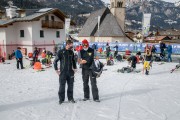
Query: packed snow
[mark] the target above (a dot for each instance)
(30, 95)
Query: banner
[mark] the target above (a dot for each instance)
(146, 24)
(67, 27)
(134, 47)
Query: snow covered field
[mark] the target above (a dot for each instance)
(29, 95)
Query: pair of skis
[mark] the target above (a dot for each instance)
(177, 67)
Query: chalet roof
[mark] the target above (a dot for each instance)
(170, 32)
(35, 16)
(159, 38)
(109, 26)
(163, 38)
(90, 27)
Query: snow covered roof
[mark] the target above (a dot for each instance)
(35, 16)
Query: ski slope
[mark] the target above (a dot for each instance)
(29, 95)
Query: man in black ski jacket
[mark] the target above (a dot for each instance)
(35, 55)
(86, 58)
(67, 70)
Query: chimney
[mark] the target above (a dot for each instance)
(11, 10)
(21, 13)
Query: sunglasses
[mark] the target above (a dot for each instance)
(85, 45)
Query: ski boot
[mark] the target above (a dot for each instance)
(147, 72)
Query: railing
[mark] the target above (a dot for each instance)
(52, 24)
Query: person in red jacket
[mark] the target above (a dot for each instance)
(80, 47)
(77, 48)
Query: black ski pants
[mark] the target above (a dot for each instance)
(86, 74)
(66, 76)
(20, 61)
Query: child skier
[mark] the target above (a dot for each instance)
(147, 62)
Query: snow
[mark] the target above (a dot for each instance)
(29, 95)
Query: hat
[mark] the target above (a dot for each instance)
(85, 43)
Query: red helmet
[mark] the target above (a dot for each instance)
(85, 43)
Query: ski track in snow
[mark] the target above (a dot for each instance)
(29, 95)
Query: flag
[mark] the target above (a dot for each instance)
(67, 27)
(146, 23)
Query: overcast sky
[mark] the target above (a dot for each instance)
(107, 1)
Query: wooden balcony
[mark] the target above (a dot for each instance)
(52, 24)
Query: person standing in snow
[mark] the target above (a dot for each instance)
(153, 49)
(67, 70)
(162, 47)
(147, 62)
(19, 57)
(86, 58)
(169, 50)
(108, 50)
(116, 49)
(35, 55)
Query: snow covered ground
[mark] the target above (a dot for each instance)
(29, 95)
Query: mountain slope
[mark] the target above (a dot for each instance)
(164, 15)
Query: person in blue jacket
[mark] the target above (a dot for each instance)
(169, 50)
(19, 58)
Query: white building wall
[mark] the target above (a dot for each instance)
(10, 39)
(2, 41)
(13, 39)
(26, 41)
(89, 39)
(49, 34)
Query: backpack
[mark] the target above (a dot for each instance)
(97, 69)
(119, 58)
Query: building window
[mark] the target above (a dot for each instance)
(120, 4)
(57, 34)
(47, 18)
(52, 18)
(41, 33)
(21, 33)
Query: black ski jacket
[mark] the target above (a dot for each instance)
(67, 60)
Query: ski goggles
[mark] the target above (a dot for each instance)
(85, 45)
